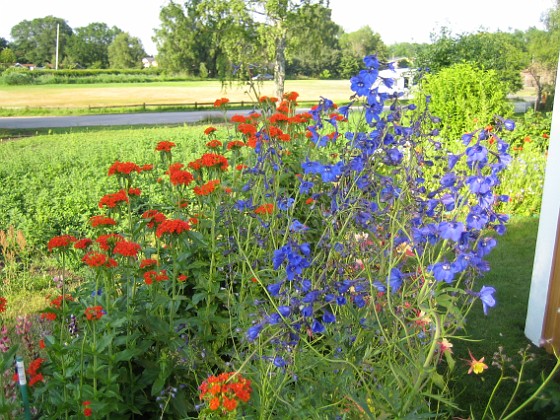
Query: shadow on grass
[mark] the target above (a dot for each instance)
(511, 264)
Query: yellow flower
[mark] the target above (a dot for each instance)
(476, 366)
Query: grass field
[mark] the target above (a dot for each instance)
(126, 94)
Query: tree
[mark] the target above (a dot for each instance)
(7, 58)
(205, 32)
(542, 52)
(35, 41)
(356, 45)
(499, 51)
(3, 43)
(126, 52)
(313, 41)
(90, 45)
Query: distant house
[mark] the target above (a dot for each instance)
(25, 66)
(148, 62)
(402, 81)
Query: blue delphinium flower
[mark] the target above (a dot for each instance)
(487, 298)
(451, 230)
(443, 271)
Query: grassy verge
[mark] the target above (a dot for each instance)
(511, 265)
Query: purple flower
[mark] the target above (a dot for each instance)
(487, 299)
(451, 230)
(443, 271)
(253, 332)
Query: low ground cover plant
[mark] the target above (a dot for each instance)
(301, 265)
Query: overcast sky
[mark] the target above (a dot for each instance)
(394, 20)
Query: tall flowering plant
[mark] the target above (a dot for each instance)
(329, 257)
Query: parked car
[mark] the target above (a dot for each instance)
(264, 76)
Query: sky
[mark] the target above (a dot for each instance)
(394, 20)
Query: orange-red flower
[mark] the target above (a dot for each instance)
(207, 188)
(111, 200)
(123, 168)
(87, 410)
(172, 226)
(165, 146)
(94, 312)
(210, 130)
(102, 221)
(62, 241)
(82, 243)
(226, 390)
(127, 249)
(265, 209)
(153, 217)
(3, 304)
(220, 102)
(152, 275)
(214, 144)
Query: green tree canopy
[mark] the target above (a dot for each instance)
(313, 41)
(90, 45)
(34, 41)
(126, 52)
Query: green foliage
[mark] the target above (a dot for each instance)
(125, 52)
(89, 46)
(7, 58)
(502, 52)
(364, 42)
(463, 96)
(35, 41)
(16, 76)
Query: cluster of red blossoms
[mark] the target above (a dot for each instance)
(210, 160)
(87, 410)
(33, 372)
(225, 391)
(126, 168)
(3, 303)
(122, 196)
(206, 189)
(94, 312)
(165, 146)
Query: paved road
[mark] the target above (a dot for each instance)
(148, 118)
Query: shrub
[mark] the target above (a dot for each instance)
(15, 76)
(464, 97)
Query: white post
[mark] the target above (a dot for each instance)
(57, 34)
(548, 227)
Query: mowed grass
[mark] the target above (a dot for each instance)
(127, 94)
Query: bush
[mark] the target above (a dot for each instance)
(15, 76)
(464, 97)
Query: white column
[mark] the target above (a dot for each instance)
(548, 226)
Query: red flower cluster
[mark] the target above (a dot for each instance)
(33, 372)
(111, 200)
(62, 241)
(102, 221)
(225, 390)
(247, 129)
(220, 102)
(57, 301)
(171, 226)
(177, 176)
(165, 146)
(148, 263)
(210, 160)
(153, 217)
(152, 275)
(235, 144)
(97, 259)
(87, 410)
(94, 312)
(124, 168)
(109, 241)
(3, 303)
(207, 188)
(127, 249)
(214, 144)
(210, 130)
(265, 209)
(82, 243)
